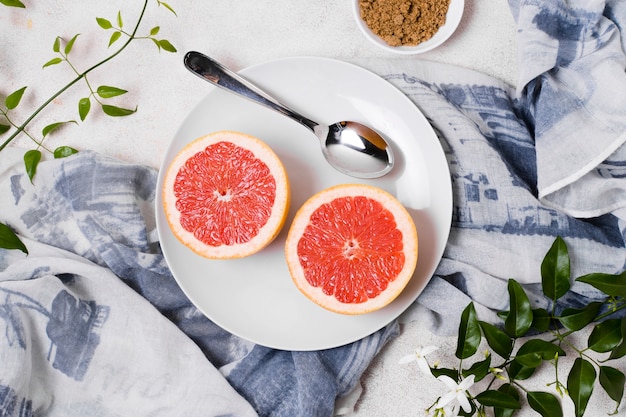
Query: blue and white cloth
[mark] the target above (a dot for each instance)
(92, 322)
(546, 159)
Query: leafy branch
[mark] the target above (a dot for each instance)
(505, 380)
(99, 94)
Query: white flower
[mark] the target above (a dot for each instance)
(457, 392)
(419, 356)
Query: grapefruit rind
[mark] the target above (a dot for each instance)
(279, 210)
(404, 223)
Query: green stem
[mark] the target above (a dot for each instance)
(6, 115)
(20, 128)
(604, 315)
(611, 312)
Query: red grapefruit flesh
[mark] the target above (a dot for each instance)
(352, 248)
(226, 195)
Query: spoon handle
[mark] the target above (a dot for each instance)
(217, 74)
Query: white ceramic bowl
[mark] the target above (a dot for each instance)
(453, 18)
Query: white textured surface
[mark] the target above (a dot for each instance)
(391, 389)
(238, 33)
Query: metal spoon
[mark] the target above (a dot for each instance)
(349, 147)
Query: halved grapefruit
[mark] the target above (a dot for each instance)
(352, 248)
(226, 195)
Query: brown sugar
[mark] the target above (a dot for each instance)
(404, 22)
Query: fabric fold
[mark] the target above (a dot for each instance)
(501, 229)
(96, 212)
(572, 85)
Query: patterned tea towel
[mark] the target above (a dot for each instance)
(548, 159)
(92, 322)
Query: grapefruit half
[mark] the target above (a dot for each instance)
(226, 195)
(352, 248)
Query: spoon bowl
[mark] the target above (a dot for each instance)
(350, 147)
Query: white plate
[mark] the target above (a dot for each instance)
(254, 297)
(453, 18)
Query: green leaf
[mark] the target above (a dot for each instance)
(156, 42)
(13, 3)
(168, 7)
(84, 105)
(104, 23)
(13, 99)
(53, 61)
(555, 270)
(106, 91)
(545, 404)
(541, 319)
(479, 369)
(114, 36)
(9, 240)
(576, 319)
(534, 351)
(503, 314)
(70, 44)
(4, 128)
(31, 161)
(120, 24)
(493, 398)
(56, 46)
(452, 373)
(620, 350)
(613, 382)
(54, 126)
(116, 111)
(64, 152)
(154, 31)
(546, 349)
(166, 45)
(498, 340)
(529, 360)
(520, 316)
(580, 382)
(614, 285)
(605, 336)
(519, 371)
(469, 333)
(511, 391)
